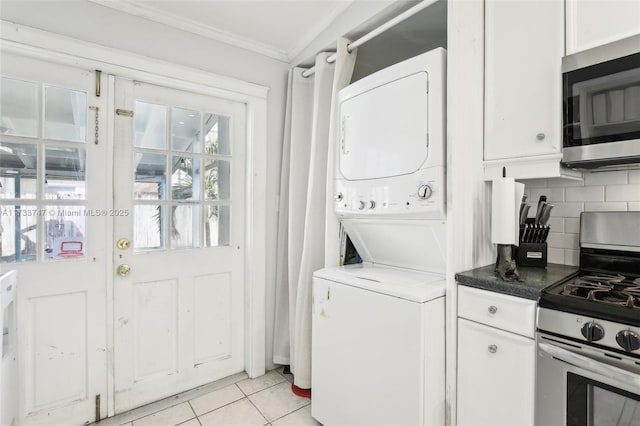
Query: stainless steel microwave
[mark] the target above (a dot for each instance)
(601, 106)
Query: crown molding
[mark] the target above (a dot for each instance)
(317, 29)
(189, 25)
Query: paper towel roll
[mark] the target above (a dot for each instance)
(505, 205)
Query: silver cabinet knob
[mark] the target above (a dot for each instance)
(540, 136)
(493, 309)
(338, 197)
(493, 349)
(372, 204)
(361, 206)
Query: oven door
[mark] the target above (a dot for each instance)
(576, 390)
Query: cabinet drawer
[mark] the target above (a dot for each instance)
(496, 377)
(498, 310)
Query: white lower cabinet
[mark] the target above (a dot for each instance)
(496, 375)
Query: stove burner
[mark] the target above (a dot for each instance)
(606, 288)
(603, 278)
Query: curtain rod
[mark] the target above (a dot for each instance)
(376, 32)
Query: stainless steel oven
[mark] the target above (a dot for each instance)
(588, 338)
(580, 385)
(601, 106)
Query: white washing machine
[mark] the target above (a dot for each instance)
(378, 329)
(378, 352)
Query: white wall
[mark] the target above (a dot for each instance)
(101, 25)
(599, 191)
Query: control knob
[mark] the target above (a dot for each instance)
(372, 204)
(361, 205)
(338, 197)
(424, 192)
(592, 332)
(628, 340)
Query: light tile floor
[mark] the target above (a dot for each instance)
(236, 401)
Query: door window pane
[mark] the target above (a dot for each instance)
(21, 245)
(185, 130)
(150, 176)
(65, 232)
(18, 108)
(217, 138)
(148, 226)
(65, 114)
(184, 228)
(150, 121)
(65, 170)
(18, 167)
(217, 225)
(217, 180)
(185, 178)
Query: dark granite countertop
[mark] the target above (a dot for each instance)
(533, 279)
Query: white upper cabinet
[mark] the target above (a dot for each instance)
(524, 45)
(591, 23)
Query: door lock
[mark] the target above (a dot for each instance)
(123, 244)
(123, 270)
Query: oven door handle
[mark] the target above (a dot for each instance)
(585, 363)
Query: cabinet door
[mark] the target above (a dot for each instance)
(524, 45)
(591, 23)
(496, 373)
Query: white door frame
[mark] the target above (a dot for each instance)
(39, 44)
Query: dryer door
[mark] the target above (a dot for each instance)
(384, 131)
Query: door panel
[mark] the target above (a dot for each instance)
(155, 318)
(53, 178)
(180, 173)
(212, 317)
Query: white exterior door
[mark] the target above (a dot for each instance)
(179, 198)
(53, 178)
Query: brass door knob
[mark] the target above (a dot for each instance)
(123, 270)
(123, 244)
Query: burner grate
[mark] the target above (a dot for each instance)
(612, 289)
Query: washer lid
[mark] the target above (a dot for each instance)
(409, 285)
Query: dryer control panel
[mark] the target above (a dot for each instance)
(420, 195)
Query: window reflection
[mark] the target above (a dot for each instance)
(65, 114)
(18, 108)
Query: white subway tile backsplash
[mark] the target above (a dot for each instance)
(564, 241)
(572, 225)
(564, 183)
(555, 255)
(585, 193)
(572, 257)
(599, 191)
(629, 192)
(567, 209)
(605, 207)
(557, 224)
(552, 194)
(605, 178)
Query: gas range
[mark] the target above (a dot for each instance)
(588, 339)
(600, 304)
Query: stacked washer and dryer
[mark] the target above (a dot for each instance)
(378, 328)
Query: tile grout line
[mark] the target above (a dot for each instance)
(258, 391)
(193, 411)
(294, 411)
(222, 406)
(257, 409)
